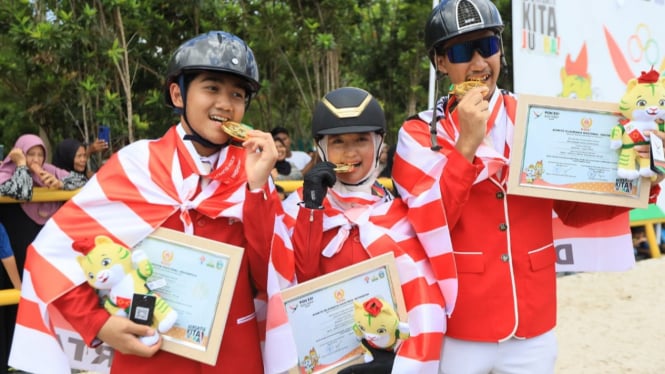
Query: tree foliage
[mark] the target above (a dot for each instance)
(68, 66)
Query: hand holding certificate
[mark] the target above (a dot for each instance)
(196, 276)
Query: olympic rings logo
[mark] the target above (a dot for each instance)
(638, 48)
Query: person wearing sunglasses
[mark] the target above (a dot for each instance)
(451, 168)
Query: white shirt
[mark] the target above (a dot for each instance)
(299, 158)
(204, 164)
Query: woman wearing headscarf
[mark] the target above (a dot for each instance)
(71, 155)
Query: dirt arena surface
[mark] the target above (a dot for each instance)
(613, 322)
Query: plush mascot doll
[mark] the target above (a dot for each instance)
(381, 332)
(643, 105)
(121, 274)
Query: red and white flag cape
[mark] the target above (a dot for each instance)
(125, 203)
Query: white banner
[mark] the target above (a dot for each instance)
(600, 246)
(585, 49)
(82, 357)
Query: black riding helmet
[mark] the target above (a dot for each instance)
(214, 51)
(347, 110)
(451, 18)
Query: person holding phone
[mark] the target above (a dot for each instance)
(95, 149)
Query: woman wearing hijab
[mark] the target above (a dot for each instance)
(71, 155)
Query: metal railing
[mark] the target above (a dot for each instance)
(43, 194)
(9, 296)
(290, 186)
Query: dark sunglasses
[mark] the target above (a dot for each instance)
(463, 52)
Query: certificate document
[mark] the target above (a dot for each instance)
(561, 150)
(320, 312)
(196, 277)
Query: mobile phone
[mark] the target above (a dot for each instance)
(104, 134)
(142, 309)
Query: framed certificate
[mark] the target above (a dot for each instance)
(196, 277)
(561, 150)
(320, 312)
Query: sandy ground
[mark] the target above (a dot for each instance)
(613, 322)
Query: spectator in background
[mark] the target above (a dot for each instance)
(386, 172)
(8, 259)
(23, 168)
(383, 158)
(72, 156)
(640, 243)
(302, 160)
(95, 149)
(284, 170)
(280, 192)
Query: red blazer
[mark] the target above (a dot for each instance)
(505, 262)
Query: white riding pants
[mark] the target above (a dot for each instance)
(535, 355)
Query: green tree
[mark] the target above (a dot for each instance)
(66, 67)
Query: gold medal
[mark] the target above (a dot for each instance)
(461, 89)
(236, 130)
(344, 168)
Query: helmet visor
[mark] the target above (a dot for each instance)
(463, 52)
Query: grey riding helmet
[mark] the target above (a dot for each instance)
(214, 51)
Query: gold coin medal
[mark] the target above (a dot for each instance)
(238, 131)
(461, 89)
(344, 168)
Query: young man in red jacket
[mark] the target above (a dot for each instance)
(451, 168)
